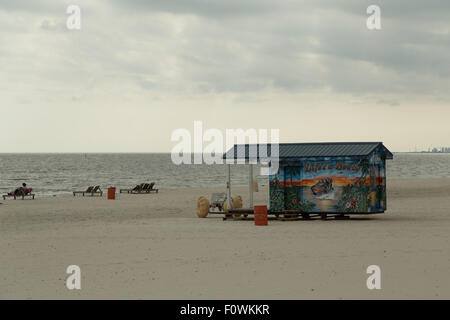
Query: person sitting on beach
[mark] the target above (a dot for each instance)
(23, 190)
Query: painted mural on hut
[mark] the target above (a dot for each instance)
(347, 184)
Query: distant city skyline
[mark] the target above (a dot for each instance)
(437, 150)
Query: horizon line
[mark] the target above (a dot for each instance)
(144, 152)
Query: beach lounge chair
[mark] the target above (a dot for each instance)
(144, 188)
(96, 191)
(22, 196)
(135, 189)
(148, 188)
(88, 190)
(151, 188)
(218, 200)
(141, 189)
(91, 191)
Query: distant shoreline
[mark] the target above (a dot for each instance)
(149, 153)
(422, 152)
(69, 194)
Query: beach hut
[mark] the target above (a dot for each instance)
(325, 178)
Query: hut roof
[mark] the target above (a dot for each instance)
(308, 150)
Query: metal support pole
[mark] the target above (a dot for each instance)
(229, 187)
(250, 185)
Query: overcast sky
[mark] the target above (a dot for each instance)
(137, 70)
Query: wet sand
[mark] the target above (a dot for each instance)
(154, 247)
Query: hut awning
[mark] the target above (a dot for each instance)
(305, 150)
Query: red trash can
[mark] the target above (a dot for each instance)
(260, 215)
(111, 193)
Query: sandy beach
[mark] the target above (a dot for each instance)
(155, 247)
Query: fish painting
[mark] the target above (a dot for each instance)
(323, 187)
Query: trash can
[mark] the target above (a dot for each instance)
(260, 215)
(111, 193)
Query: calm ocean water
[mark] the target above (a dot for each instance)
(52, 174)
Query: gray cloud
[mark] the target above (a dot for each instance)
(35, 6)
(235, 46)
(281, 39)
(206, 8)
(142, 55)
